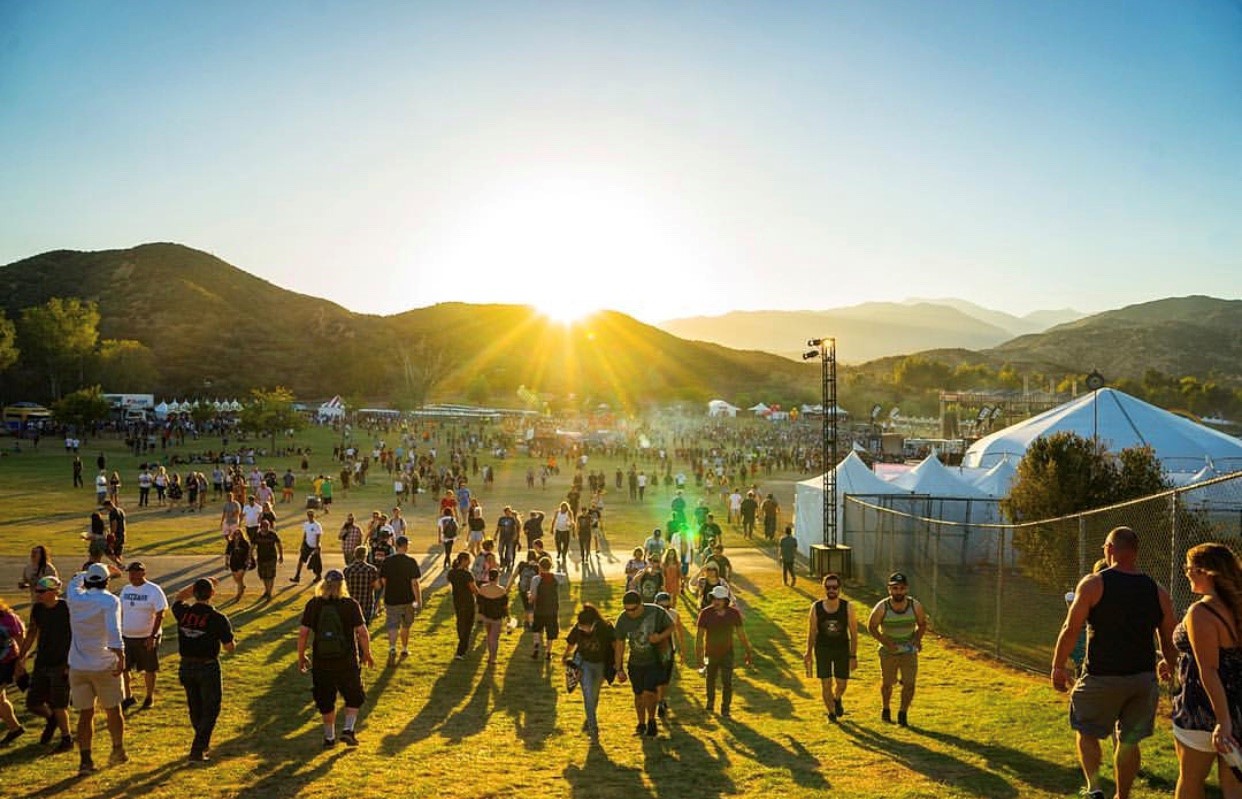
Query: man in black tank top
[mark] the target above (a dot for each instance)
(1123, 610)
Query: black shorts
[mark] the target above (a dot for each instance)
(832, 661)
(49, 685)
(648, 678)
(6, 673)
(327, 682)
(267, 569)
(548, 624)
(138, 657)
(326, 500)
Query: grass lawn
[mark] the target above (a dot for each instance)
(433, 726)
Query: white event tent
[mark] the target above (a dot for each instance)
(853, 478)
(332, 409)
(719, 407)
(1121, 422)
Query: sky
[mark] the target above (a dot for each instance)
(662, 159)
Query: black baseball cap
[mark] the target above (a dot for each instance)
(632, 598)
(897, 578)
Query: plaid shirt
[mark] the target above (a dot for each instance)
(360, 577)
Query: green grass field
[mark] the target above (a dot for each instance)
(437, 727)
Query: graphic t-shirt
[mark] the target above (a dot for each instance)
(595, 646)
(648, 584)
(139, 604)
(635, 631)
(719, 627)
(201, 629)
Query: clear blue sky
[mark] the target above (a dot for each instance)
(660, 158)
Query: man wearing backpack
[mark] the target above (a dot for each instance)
(340, 645)
(448, 534)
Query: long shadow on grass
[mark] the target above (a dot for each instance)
(795, 758)
(445, 694)
(682, 765)
(600, 777)
(937, 766)
(1042, 774)
(530, 697)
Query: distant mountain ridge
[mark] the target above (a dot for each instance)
(870, 330)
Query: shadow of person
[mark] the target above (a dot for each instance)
(530, 697)
(472, 718)
(598, 776)
(803, 767)
(1040, 774)
(448, 690)
(682, 764)
(937, 766)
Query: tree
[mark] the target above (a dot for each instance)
(478, 391)
(57, 338)
(8, 342)
(423, 367)
(1065, 474)
(918, 372)
(83, 407)
(126, 365)
(271, 413)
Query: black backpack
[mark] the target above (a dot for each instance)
(330, 638)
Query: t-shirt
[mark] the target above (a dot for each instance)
(789, 548)
(748, 507)
(201, 629)
(252, 513)
(265, 545)
(770, 507)
(139, 604)
(351, 619)
(463, 597)
(506, 528)
(547, 594)
(398, 570)
(648, 584)
(116, 521)
(635, 631)
(54, 633)
(595, 646)
(10, 628)
(312, 532)
(719, 627)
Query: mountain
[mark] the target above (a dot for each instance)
(1195, 335)
(863, 332)
(1034, 322)
(217, 330)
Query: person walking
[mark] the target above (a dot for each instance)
(312, 537)
(644, 630)
(96, 661)
(1207, 709)
(12, 638)
(832, 638)
(1123, 609)
(447, 530)
(361, 580)
(716, 625)
(546, 600)
(403, 596)
(341, 646)
(268, 552)
(590, 648)
(464, 590)
(898, 624)
(48, 694)
(237, 559)
(493, 601)
(562, 527)
(789, 554)
(143, 605)
(202, 631)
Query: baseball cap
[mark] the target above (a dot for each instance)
(334, 576)
(897, 578)
(720, 592)
(663, 596)
(136, 566)
(632, 598)
(49, 583)
(97, 573)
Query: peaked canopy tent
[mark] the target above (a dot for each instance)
(332, 409)
(1121, 422)
(719, 407)
(995, 482)
(853, 478)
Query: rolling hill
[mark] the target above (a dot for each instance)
(216, 329)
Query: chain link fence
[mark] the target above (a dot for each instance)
(1001, 587)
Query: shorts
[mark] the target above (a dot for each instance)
(904, 663)
(548, 624)
(526, 606)
(6, 672)
(228, 528)
(138, 657)
(327, 682)
(49, 685)
(668, 671)
(267, 569)
(832, 661)
(398, 615)
(1198, 740)
(1100, 704)
(647, 678)
(475, 537)
(326, 500)
(87, 686)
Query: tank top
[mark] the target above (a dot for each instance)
(1192, 710)
(562, 522)
(1121, 625)
(832, 629)
(899, 625)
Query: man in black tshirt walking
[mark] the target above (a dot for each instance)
(201, 632)
(48, 695)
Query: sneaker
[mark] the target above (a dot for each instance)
(317, 579)
(128, 702)
(837, 708)
(328, 743)
(652, 730)
(11, 736)
(662, 710)
(295, 579)
(832, 716)
(148, 703)
(86, 767)
(198, 757)
(886, 715)
(117, 757)
(711, 710)
(405, 653)
(49, 729)
(641, 729)
(459, 657)
(724, 713)
(65, 745)
(901, 718)
(1092, 794)
(348, 737)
